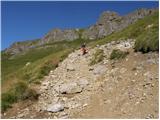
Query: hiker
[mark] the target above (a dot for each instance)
(83, 48)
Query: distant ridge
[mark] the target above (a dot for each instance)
(107, 23)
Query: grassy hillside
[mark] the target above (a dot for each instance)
(42, 60)
(37, 58)
(16, 74)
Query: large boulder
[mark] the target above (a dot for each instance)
(70, 88)
(55, 107)
(83, 82)
(73, 86)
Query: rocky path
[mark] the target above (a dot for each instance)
(70, 86)
(125, 88)
(129, 90)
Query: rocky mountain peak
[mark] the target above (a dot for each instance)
(107, 23)
(107, 16)
(60, 35)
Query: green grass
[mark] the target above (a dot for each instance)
(21, 91)
(118, 54)
(97, 57)
(42, 60)
(9, 66)
(148, 40)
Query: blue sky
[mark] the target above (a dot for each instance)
(31, 20)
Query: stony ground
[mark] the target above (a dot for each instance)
(125, 88)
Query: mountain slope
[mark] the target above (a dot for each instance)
(33, 65)
(120, 88)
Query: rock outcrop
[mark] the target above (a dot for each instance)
(110, 21)
(107, 23)
(19, 47)
(60, 35)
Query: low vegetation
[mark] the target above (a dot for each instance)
(146, 37)
(118, 54)
(97, 57)
(21, 91)
(148, 40)
(42, 60)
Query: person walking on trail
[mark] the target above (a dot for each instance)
(83, 48)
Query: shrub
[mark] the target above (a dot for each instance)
(62, 57)
(118, 54)
(148, 41)
(98, 57)
(5, 105)
(45, 69)
(30, 94)
(7, 99)
(20, 91)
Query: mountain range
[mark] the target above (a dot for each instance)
(108, 23)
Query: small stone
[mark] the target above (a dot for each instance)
(137, 103)
(152, 85)
(149, 116)
(85, 105)
(156, 77)
(70, 88)
(45, 83)
(51, 72)
(64, 99)
(144, 94)
(133, 81)
(148, 83)
(131, 95)
(63, 115)
(141, 100)
(70, 68)
(83, 83)
(20, 115)
(124, 112)
(123, 70)
(107, 101)
(53, 76)
(55, 108)
(135, 74)
(91, 68)
(72, 104)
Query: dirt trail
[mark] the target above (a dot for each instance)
(134, 95)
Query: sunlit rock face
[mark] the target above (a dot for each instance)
(107, 23)
(110, 21)
(60, 35)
